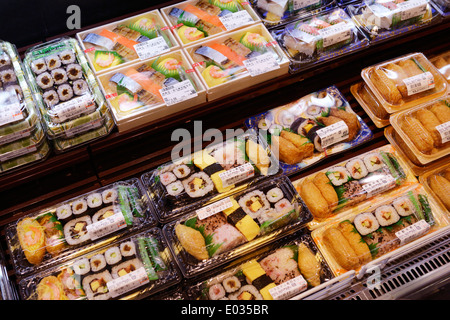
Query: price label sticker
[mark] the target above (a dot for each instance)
(336, 33)
(214, 208)
(17, 153)
(128, 282)
(15, 136)
(178, 92)
(261, 64)
(151, 48)
(289, 288)
(236, 20)
(419, 83)
(332, 134)
(300, 4)
(236, 175)
(413, 231)
(444, 131)
(107, 226)
(84, 127)
(412, 8)
(378, 184)
(74, 107)
(10, 113)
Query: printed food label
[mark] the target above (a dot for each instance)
(84, 127)
(289, 288)
(413, 231)
(336, 33)
(412, 8)
(332, 134)
(128, 282)
(235, 20)
(17, 153)
(261, 64)
(214, 208)
(378, 185)
(178, 92)
(10, 113)
(299, 4)
(73, 107)
(151, 48)
(419, 83)
(236, 175)
(106, 226)
(444, 131)
(15, 136)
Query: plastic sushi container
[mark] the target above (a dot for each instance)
(383, 20)
(333, 192)
(85, 222)
(310, 129)
(279, 12)
(283, 270)
(7, 287)
(237, 60)
(146, 91)
(126, 41)
(222, 231)
(130, 269)
(194, 20)
(372, 236)
(41, 153)
(437, 182)
(65, 88)
(442, 63)
(208, 175)
(443, 7)
(370, 104)
(318, 38)
(404, 82)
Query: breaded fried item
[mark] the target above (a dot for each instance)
(429, 122)
(441, 111)
(420, 137)
(308, 265)
(410, 67)
(340, 249)
(385, 86)
(313, 199)
(301, 143)
(354, 239)
(397, 74)
(322, 182)
(441, 188)
(286, 150)
(440, 62)
(350, 119)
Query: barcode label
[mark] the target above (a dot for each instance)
(17, 153)
(444, 131)
(84, 127)
(178, 92)
(10, 113)
(300, 4)
(214, 208)
(236, 20)
(419, 83)
(378, 185)
(128, 282)
(336, 33)
(106, 226)
(289, 288)
(332, 134)
(261, 64)
(412, 8)
(72, 108)
(236, 175)
(151, 48)
(413, 231)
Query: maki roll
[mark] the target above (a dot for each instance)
(231, 284)
(182, 171)
(175, 188)
(315, 138)
(274, 195)
(97, 262)
(8, 76)
(67, 57)
(338, 176)
(366, 223)
(264, 124)
(283, 206)
(386, 215)
(50, 98)
(82, 266)
(216, 292)
(404, 206)
(128, 249)
(79, 206)
(80, 87)
(113, 255)
(44, 80)
(52, 62)
(167, 177)
(75, 231)
(63, 212)
(65, 92)
(314, 111)
(356, 168)
(38, 66)
(59, 76)
(125, 268)
(109, 195)
(286, 119)
(74, 71)
(247, 292)
(94, 200)
(198, 185)
(103, 214)
(95, 285)
(5, 60)
(373, 162)
(253, 203)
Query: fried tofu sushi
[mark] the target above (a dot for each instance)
(410, 67)
(430, 122)
(441, 111)
(419, 136)
(301, 143)
(397, 74)
(314, 199)
(286, 150)
(350, 119)
(308, 265)
(385, 86)
(192, 241)
(441, 188)
(356, 242)
(340, 249)
(322, 182)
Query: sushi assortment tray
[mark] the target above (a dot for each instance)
(404, 82)
(208, 175)
(123, 42)
(146, 91)
(318, 38)
(376, 233)
(43, 239)
(382, 20)
(132, 268)
(279, 271)
(335, 191)
(437, 182)
(311, 128)
(442, 63)
(237, 60)
(227, 229)
(194, 20)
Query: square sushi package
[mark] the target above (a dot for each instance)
(335, 191)
(208, 175)
(317, 38)
(387, 229)
(123, 42)
(442, 63)
(310, 129)
(279, 271)
(237, 60)
(146, 91)
(224, 230)
(404, 82)
(44, 238)
(382, 20)
(22, 138)
(437, 182)
(131, 268)
(67, 93)
(367, 100)
(194, 20)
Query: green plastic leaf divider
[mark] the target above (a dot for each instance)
(146, 260)
(124, 205)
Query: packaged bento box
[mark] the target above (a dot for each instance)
(437, 182)
(126, 41)
(237, 60)
(388, 226)
(278, 271)
(42, 239)
(443, 6)
(146, 91)
(370, 104)
(382, 20)
(318, 38)
(236, 225)
(426, 129)
(194, 20)
(311, 128)
(332, 192)
(404, 82)
(129, 269)
(442, 63)
(63, 86)
(37, 153)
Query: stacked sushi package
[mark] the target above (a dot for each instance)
(437, 182)
(73, 108)
(22, 137)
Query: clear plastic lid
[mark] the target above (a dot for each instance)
(132, 268)
(214, 234)
(443, 6)
(442, 63)
(279, 271)
(370, 233)
(7, 287)
(370, 104)
(332, 192)
(404, 82)
(42, 239)
(42, 152)
(318, 38)
(209, 175)
(426, 129)
(437, 182)
(311, 128)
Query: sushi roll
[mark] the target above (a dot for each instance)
(52, 62)
(373, 162)
(74, 71)
(404, 206)
(79, 206)
(95, 285)
(113, 256)
(82, 266)
(386, 215)
(356, 168)
(253, 203)
(338, 176)
(125, 268)
(127, 249)
(94, 200)
(63, 212)
(315, 138)
(97, 262)
(67, 57)
(80, 87)
(103, 214)
(216, 292)
(275, 129)
(59, 76)
(284, 206)
(75, 231)
(65, 92)
(198, 185)
(274, 195)
(167, 177)
(285, 118)
(366, 223)
(231, 284)
(109, 195)
(5, 60)
(264, 124)
(7, 76)
(15, 89)
(314, 111)
(44, 80)
(175, 188)
(247, 292)
(182, 171)
(38, 66)
(50, 98)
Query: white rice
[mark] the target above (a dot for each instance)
(175, 188)
(404, 206)
(63, 212)
(247, 198)
(274, 195)
(366, 223)
(113, 255)
(356, 168)
(373, 162)
(109, 195)
(386, 215)
(338, 175)
(97, 262)
(82, 266)
(131, 265)
(94, 200)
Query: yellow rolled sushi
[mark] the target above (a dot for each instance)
(50, 288)
(258, 277)
(214, 76)
(32, 240)
(242, 221)
(189, 34)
